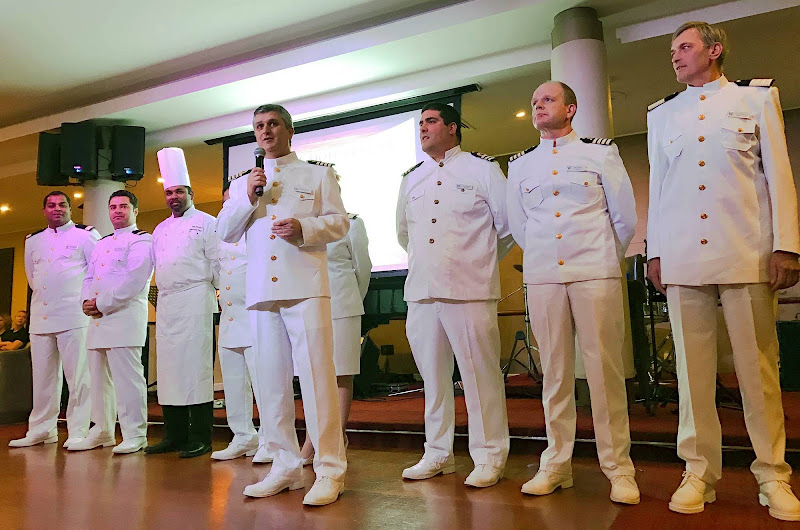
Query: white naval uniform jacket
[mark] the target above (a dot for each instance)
(119, 278)
(450, 215)
(349, 269)
(55, 264)
(571, 209)
(279, 269)
(234, 323)
(186, 268)
(722, 195)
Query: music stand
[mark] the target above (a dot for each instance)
(524, 337)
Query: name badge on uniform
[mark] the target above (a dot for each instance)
(304, 191)
(71, 247)
(740, 115)
(119, 249)
(465, 187)
(195, 229)
(576, 168)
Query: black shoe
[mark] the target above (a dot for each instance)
(193, 449)
(166, 446)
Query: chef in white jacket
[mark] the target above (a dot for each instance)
(571, 209)
(451, 218)
(722, 228)
(287, 229)
(235, 346)
(114, 294)
(349, 269)
(186, 267)
(56, 259)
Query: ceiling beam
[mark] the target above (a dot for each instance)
(713, 15)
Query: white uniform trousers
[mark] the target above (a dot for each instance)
(436, 331)
(299, 332)
(749, 311)
(591, 309)
(48, 352)
(119, 386)
(347, 345)
(237, 364)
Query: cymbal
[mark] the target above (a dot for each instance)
(518, 266)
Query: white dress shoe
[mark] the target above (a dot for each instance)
(428, 468)
(235, 450)
(692, 495)
(545, 482)
(92, 441)
(624, 490)
(262, 456)
(130, 446)
(273, 484)
(324, 491)
(72, 440)
(30, 440)
(782, 503)
(484, 475)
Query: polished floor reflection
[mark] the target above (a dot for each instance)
(47, 487)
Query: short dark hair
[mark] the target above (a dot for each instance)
(125, 193)
(448, 114)
(278, 109)
(53, 193)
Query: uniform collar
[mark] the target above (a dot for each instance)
(448, 155)
(713, 86)
(66, 226)
(560, 141)
(281, 161)
(127, 229)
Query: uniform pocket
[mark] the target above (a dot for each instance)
(673, 145)
(738, 132)
(463, 197)
(416, 201)
(532, 195)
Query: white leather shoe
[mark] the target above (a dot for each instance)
(29, 440)
(545, 482)
(92, 441)
(484, 475)
(427, 468)
(625, 490)
(72, 440)
(262, 456)
(324, 491)
(782, 503)
(273, 484)
(235, 450)
(130, 446)
(692, 495)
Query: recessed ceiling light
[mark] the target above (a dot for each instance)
(520, 114)
(4, 208)
(159, 179)
(77, 195)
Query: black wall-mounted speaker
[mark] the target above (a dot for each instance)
(79, 150)
(48, 161)
(127, 152)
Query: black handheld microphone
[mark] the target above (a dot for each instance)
(259, 153)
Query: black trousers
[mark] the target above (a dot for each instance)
(189, 423)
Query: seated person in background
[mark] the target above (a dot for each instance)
(16, 337)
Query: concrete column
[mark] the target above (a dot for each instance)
(95, 203)
(579, 60)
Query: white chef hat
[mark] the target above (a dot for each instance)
(172, 164)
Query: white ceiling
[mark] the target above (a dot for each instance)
(193, 70)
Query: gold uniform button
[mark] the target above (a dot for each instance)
(703, 216)
(51, 248)
(436, 201)
(230, 304)
(107, 251)
(233, 258)
(701, 187)
(561, 262)
(49, 261)
(702, 97)
(272, 236)
(44, 287)
(527, 189)
(230, 319)
(558, 214)
(302, 196)
(277, 170)
(586, 183)
(441, 164)
(96, 293)
(45, 317)
(555, 172)
(701, 163)
(558, 236)
(702, 117)
(701, 138)
(97, 323)
(274, 279)
(433, 220)
(236, 244)
(430, 241)
(44, 303)
(555, 151)
(273, 217)
(438, 182)
(227, 287)
(703, 241)
(45, 273)
(275, 184)
(555, 192)
(274, 201)
(102, 264)
(98, 277)
(115, 237)
(273, 258)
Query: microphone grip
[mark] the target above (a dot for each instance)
(259, 163)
